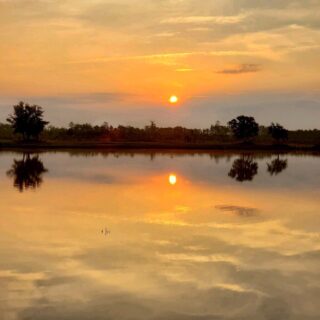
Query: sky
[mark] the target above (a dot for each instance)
(119, 61)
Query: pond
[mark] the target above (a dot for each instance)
(164, 236)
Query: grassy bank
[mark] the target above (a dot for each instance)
(157, 146)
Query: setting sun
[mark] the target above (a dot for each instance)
(173, 99)
(172, 179)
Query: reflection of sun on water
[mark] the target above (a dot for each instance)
(172, 179)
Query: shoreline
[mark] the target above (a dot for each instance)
(157, 146)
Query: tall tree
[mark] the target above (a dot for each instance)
(244, 128)
(27, 120)
(278, 132)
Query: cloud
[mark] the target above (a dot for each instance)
(240, 211)
(108, 43)
(243, 68)
(204, 19)
(163, 57)
(165, 34)
(184, 70)
(72, 99)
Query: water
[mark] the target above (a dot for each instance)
(159, 236)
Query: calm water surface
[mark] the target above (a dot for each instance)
(159, 236)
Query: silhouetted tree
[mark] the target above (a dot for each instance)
(151, 131)
(277, 166)
(27, 173)
(244, 128)
(27, 120)
(278, 132)
(244, 168)
(85, 131)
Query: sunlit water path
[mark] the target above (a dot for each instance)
(159, 236)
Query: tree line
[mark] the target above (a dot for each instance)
(26, 123)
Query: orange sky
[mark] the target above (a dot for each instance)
(136, 53)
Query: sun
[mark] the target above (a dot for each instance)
(173, 99)
(173, 179)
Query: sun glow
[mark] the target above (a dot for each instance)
(173, 179)
(173, 99)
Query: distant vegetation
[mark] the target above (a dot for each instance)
(27, 123)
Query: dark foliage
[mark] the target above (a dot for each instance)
(27, 173)
(244, 128)
(27, 120)
(278, 132)
(244, 168)
(6, 132)
(151, 133)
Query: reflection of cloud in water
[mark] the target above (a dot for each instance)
(201, 264)
(148, 280)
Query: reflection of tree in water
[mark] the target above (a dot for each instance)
(27, 173)
(244, 168)
(277, 165)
